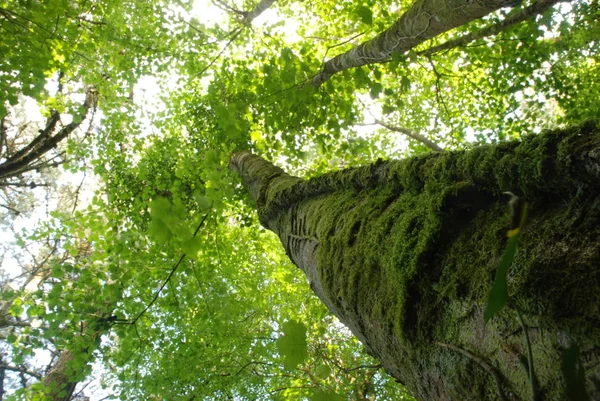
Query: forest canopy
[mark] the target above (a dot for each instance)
(134, 266)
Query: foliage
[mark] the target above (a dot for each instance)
(222, 326)
(498, 296)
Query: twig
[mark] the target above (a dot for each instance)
(236, 32)
(486, 366)
(408, 132)
(168, 278)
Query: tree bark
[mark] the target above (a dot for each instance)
(59, 379)
(17, 164)
(537, 8)
(404, 253)
(424, 20)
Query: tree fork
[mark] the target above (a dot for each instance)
(404, 253)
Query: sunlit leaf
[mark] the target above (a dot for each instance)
(292, 345)
(365, 14)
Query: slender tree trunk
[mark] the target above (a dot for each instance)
(404, 253)
(59, 379)
(424, 20)
(71, 367)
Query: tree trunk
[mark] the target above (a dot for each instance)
(404, 253)
(59, 379)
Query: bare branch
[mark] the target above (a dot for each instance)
(22, 184)
(44, 142)
(411, 134)
(22, 370)
(405, 131)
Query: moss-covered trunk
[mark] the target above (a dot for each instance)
(404, 253)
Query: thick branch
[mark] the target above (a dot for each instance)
(526, 13)
(258, 10)
(411, 134)
(424, 20)
(43, 134)
(44, 142)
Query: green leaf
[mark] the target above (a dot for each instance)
(292, 345)
(574, 374)
(376, 89)
(365, 14)
(323, 371)
(159, 231)
(498, 296)
(203, 202)
(192, 246)
(320, 395)
(405, 83)
(160, 207)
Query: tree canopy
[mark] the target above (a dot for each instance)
(134, 266)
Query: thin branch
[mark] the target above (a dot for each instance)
(78, 191)
(377, 366)
(486, 366)
(21, 370)
(236, 32)
(3, 130)
(411, 134)
(226, 7)
(22, 184)
(13, 210)
(340, 44)
(2, 373)
(168, 278)
(405, 131)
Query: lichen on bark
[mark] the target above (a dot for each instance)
(404, 253)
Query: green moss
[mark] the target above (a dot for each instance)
(408, 250)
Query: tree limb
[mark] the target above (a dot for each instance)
(411, 134)
(526, 13)
(424, 20)
(44, 142)
(21, 370)
(262, 5)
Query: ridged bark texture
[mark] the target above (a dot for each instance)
(404, 253)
